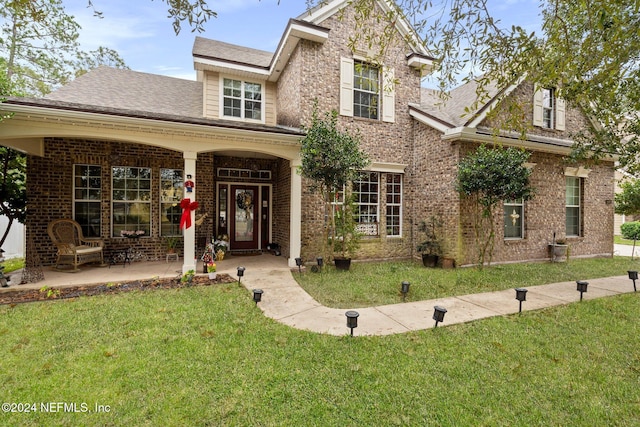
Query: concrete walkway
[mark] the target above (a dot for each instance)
(286, 302)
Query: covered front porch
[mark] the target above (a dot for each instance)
(59, 139)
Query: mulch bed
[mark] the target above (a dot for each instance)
(51, 294)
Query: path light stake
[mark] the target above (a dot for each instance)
(582, 287)
(438, 314)
(240, 273)
(320, 262)
(521, 295)
(633, 275)
(352, 320)
(405, 290)
(257, 295)
(299, 264)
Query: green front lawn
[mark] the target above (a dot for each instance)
(208, 356)
(371, 284)
(13, 264)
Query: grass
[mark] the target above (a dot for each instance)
(369, 284)
(619, 240)
(13, 264)
(208, 356)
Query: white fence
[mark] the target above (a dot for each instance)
(14, 245)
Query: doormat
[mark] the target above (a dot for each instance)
(246, 252)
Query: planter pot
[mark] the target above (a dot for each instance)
(213, 276)
(430, 261)
(448, 263)
(342, 263)
(558, 251)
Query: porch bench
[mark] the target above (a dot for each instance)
(73, 248)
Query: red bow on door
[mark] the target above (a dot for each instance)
(187, 206)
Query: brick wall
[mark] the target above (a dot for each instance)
(314, 73)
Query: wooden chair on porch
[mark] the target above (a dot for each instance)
(73, 248)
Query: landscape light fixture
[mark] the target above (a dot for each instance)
(633, 275)
(521, 295)
(352, 320)
(257, 295)
(405, 290)
(582, 287)
(299, 264)
(320, 262)
(240, 273)
(438, 314)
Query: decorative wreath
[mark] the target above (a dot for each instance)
(244, 200)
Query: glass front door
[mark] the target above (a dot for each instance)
(243, 220)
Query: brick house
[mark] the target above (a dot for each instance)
(114, 148)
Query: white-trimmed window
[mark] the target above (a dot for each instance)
(548, 109)
(87, 198)
(394, 204)
(573, 205)
(366, 196)
(514, 219)
(171, 190)
(361, 91)
(366, 89)
(130, 199)
(241, 99)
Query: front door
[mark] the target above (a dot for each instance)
(244, 212)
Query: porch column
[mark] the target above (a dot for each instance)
(189, 234)
(295, 217)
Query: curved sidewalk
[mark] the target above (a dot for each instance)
(285, 301)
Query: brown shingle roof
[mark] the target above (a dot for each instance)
(452, 109)
(131, 90)
(215, 49)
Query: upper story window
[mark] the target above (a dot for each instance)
(242, 99)
(548, 109)
(367, 90)
(366, 83)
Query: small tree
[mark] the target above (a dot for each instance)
(628, 201)
(331, 158)
(487, 177)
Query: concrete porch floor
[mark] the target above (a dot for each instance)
(141, 270)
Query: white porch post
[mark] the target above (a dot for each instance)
(190, 233)
(295, 217)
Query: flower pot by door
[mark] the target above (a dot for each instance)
(342, 263)
(213, 276)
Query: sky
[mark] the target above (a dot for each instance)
(141, 32)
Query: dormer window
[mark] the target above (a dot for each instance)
(548, 109)
(242, 99)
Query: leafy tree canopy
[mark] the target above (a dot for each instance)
(627, 202)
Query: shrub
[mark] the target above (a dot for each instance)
(630, 230)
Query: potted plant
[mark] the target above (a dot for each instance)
(171, 244)
(220, 247)
(559, 248)
(211, 269)
(431, 246)
(345, 237)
